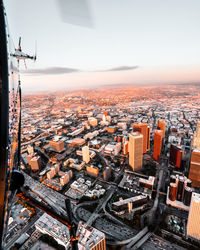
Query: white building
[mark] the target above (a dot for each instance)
(86, 154)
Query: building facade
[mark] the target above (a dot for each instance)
(194, 173)
(86, 154)
(176, 153)
(161, 126)
(193, 225)
(196, 139)
(35, 163)
(57, 146)
(157, 144)
(143, 129)
(135, 150)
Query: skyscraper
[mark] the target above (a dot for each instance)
(176, 155)
(143, 129)
(161, 126)
(157, 144)
(196, 138)
(194, 173)
(193, 225)
(135, 150)
(148, 137)
(86, 154)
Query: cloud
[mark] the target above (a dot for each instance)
(50, 71)
(64, 70)
(120, 68)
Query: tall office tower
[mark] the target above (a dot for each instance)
(35, 163)
(90, 238)
(176, 153)
(196, 139)
(157, 144)
(86, 154)
(193, 225)
(161, 126)
(148, 137)
(194, 173)
(57, 146)
(135, 150)
(143, 129)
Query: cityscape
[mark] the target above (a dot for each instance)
(99, 125)
(127, 158)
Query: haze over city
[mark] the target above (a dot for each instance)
(134, 42)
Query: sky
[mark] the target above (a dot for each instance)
(124, 41)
